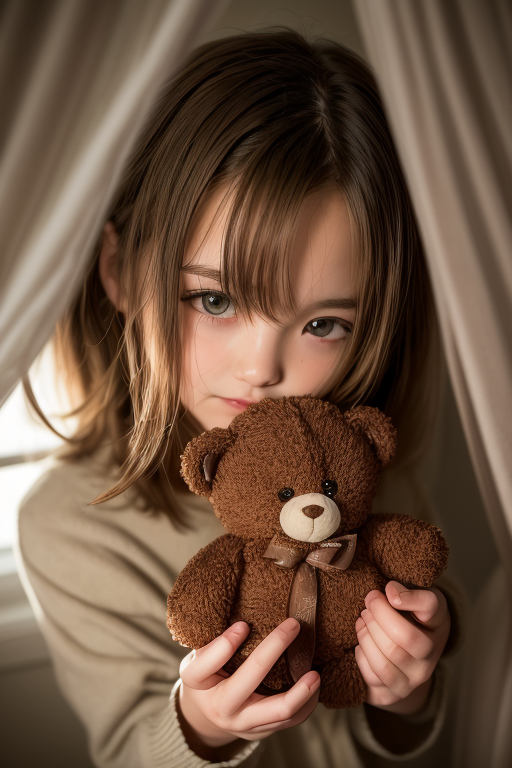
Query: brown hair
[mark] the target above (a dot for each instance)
(275, 117)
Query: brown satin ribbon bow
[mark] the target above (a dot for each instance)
(331, 555)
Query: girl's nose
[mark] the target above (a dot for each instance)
(258, 359)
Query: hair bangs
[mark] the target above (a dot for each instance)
(264, 195)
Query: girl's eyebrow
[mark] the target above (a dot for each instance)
(199, 269)
(214, 274)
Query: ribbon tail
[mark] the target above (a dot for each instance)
(302, 606)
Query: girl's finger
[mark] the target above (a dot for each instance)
(300, 715)
(428, 606)
(376, 693)
(401, 631)
(389, 675)
(396, 654)
(367, 672)
(201, 669)
(244, 681)
(282, 707)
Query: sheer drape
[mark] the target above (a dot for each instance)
(445, 67)
(78, 78)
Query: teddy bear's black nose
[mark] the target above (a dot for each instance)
(313, 510)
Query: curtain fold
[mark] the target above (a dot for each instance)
(444, 68)
(78, 79)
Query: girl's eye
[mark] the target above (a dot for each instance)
(324, 326)
(330, 488)
(216, 307)
(213, 302)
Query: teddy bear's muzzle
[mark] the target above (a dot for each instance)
(310, 517)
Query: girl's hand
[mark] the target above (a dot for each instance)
(398, 654)
(222, 708)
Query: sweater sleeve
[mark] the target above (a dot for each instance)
(416, 733)
(99, 592)
(165, 740)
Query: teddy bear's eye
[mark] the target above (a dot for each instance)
(330, 487)
(286, 493)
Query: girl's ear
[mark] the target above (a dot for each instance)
(201, 456)
(376, 427)
(108, 266)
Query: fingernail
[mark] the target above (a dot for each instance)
(237, 627)
(310, 678)
(371, 596)
(290, 624)
(395, 587)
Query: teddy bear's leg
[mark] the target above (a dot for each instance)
(342, 684)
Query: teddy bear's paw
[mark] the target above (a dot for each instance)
(342, 685)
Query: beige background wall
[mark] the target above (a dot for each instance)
(38, 728)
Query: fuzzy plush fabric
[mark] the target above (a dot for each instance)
(290, 478)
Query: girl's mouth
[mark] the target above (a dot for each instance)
(239, 405)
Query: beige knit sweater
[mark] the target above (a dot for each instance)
(98, 578)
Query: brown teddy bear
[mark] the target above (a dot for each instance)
(293, 480)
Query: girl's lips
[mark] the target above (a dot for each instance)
(240, 405)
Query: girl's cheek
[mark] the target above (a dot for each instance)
(205, 347)
(319, 362)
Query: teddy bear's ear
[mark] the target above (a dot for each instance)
(377, 428)
(201, 456)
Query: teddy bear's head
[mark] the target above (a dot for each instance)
(297, 465)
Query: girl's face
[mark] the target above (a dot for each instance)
(229, 360)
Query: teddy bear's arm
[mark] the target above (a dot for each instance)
(201, 600)
(405, 549)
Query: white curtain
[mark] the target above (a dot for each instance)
(445, 71)
(78, 79)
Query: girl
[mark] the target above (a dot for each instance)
(261, 244)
